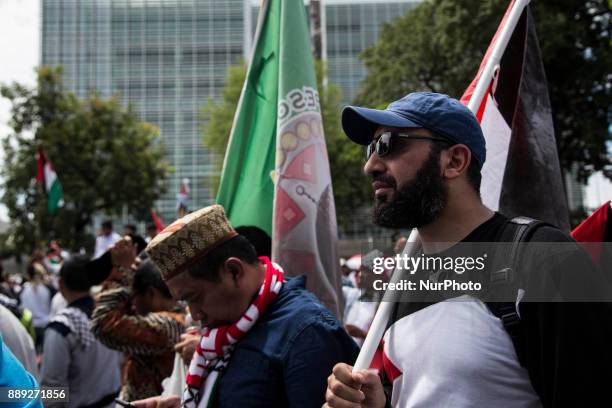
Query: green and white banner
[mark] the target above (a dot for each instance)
(276, 171)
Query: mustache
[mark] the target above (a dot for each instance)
(385, 178)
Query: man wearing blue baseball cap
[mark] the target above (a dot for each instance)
(424, 156)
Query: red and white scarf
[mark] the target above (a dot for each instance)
(214, 351)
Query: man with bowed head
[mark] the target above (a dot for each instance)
(266, 341)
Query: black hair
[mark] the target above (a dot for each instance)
(208, 267)
(130, 227)
(258, 238)
(139, 241)
(74, 273)
(107, 224)
(148, 276)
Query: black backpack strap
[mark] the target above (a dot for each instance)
(505, 278)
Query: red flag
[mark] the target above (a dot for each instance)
(159, 225)
(596, 228)
(41, 160)
(593, 229)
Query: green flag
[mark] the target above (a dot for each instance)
(276, 171)
(246, 189)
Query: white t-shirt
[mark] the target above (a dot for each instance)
(104, 242)
(57, 303)
(455, 354)
(37, 298)
(357, 312)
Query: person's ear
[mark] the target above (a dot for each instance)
(456, 161)
(235, 268)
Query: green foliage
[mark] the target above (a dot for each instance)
(439, 44)
(346, 159)
(219, 116)
(105, 158)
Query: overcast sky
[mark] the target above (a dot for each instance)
(20, 53)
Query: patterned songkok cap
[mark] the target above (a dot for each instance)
(188, 239)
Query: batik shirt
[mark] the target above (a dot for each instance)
(147, 341)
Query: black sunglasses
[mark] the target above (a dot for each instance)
(384, 144)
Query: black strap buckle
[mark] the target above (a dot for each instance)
(511, 322)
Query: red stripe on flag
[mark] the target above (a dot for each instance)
(40, 163)
(594, 227)
(391, 370)
(159, 225)
(483, 105)
(467, 95)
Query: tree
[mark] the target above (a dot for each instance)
(439, 44)
(105, 157)
(346, 159)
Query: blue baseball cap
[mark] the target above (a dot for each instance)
(439, 113)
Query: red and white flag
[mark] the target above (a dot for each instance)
(521, 175)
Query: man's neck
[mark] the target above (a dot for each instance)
(74, 296)
(453, 225)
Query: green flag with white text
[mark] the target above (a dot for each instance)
(276, 170)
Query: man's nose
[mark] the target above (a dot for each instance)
(374, 165)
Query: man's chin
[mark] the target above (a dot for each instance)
(378, 215)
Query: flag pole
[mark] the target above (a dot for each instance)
(498, 51)
(381, 318)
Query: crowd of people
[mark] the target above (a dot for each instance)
(199, 316)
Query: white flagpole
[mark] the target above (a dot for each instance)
(379, 325)
(381, 318)
(498, 51)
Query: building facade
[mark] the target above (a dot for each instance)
(168, 57)
(165, 57)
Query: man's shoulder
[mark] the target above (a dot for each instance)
(539, 231)
(293, 311)
(295, 304)
(549, 233)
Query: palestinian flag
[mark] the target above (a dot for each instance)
(53, 188)
(521, 175)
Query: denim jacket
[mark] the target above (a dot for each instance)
(285, 359)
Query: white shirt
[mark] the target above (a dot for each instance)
(104, 242)
(57, 303)
(456, 354)
(357, 312)
(37, 298)
(18, 340)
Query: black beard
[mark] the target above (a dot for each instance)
(416, 204)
